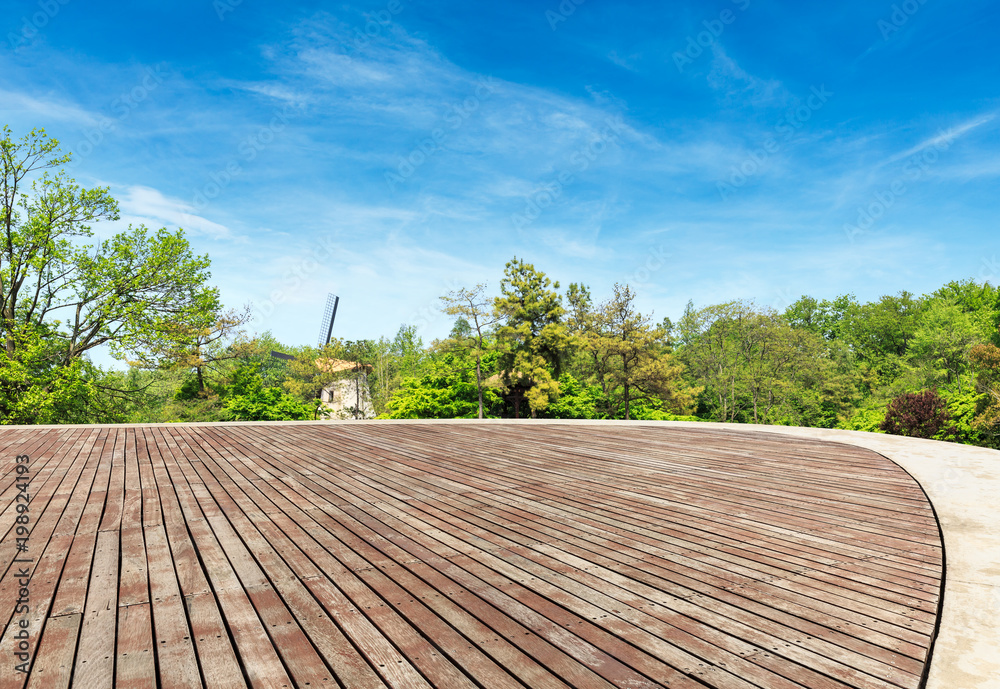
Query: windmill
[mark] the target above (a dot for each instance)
(329, 316)
(339, 388)
(326, 327)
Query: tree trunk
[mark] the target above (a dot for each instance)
(479, 385)
(357, 395)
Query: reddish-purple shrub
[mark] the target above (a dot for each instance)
(918, 415)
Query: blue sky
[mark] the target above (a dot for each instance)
(391, 151)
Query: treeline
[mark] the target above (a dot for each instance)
(927, 366)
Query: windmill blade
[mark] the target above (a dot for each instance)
(329, 316)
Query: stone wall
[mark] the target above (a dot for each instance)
(341, 397)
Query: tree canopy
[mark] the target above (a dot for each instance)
(137, 292)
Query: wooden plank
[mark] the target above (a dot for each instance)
(340, 655)
(261, 663)
(175, 654)
(44, 505)
(111, 519)
(135, 664)
(392, 603)
(133, 583)
(53, 666)
(463, 555)
(42, 585)
(219, 663)
(95, 657)
(82, 520)
(189, 630)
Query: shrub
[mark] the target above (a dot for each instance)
(869, 420)
(919, 415)
(576, 400)
(249, 400)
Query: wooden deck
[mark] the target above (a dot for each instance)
(462, 555)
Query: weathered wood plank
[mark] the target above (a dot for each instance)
(135, 664)
(53, 667)
(175, 654)
(95, 656)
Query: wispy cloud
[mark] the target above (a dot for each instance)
(149, 206)
(947, 136)
(739, 86)
(47, 107)
(628, 62)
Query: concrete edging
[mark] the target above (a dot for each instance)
(963, 484)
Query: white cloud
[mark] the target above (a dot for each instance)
(945, 137)
(149, 206)
(48, 108)
(624, 62)
(738, 85)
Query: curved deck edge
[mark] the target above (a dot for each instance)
(963, 485)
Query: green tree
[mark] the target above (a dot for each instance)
(257, 351)
(580, 312)
(476, 310)
(205, 343)
(393, 361)
(447, 390)
(985, 359)
(623, 344)
(576, 400)
(128, 292)
(712, 349)
(980, 301)
(37, 389)
(756, 367)
(823, 318)
(942, 340)
(879, 333)
(532, 332)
